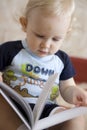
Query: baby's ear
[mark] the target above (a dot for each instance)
(23, 22)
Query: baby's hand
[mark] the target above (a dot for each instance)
(1, 77)
(80, 97)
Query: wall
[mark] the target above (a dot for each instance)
(76, 43)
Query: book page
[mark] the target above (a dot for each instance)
(19, 99)
(60, 117)
(43, 96)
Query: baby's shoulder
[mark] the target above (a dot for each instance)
(11, 44)
(63, 56)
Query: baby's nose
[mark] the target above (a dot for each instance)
(46, 44)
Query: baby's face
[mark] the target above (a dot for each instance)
(45, 34)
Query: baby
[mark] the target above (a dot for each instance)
(27, 64)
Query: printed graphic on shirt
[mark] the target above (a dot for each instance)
(28, 68)
(30, 84)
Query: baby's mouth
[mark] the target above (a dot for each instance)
(43, 52)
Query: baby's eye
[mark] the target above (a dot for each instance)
(40, 36)
(55, 39)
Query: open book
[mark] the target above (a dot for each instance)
(31, 119)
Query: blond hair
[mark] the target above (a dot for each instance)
(57, 7)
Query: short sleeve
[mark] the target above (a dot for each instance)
(68, 70)
(7, 52)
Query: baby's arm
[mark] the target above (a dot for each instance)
(1, 77)
(72, 93)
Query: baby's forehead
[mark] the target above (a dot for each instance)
(38, 17)
(53, 26)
